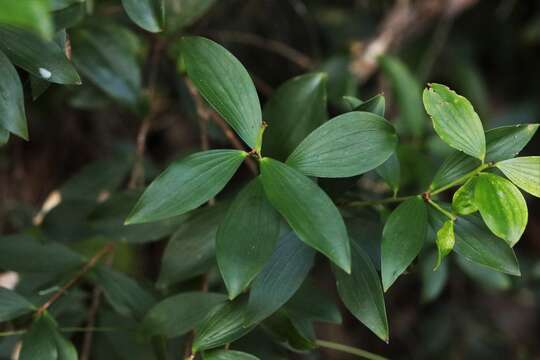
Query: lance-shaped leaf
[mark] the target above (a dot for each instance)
(362, 293)
(31, 15)
(296, 109)
(281, 277)
(148, 14)
(455, 120)
(176, 315)
(41, 58)
(502, 207)
(40, 342)
(66, 349)
(186, 184)
(13, 305)
(374, 105)
(403, 237)
(445, 241)
(485, 277)
(347, 145)
(524, 172)
(224, 82)
(228, 355)
(390, 171)
(308, 210)
(463, 200)
(246, 237)
(12, 116)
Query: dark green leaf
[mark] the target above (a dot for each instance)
(182, 13)
(313, 304)
(463, 200)
(229, 355)
(407, 92)
(362, 294)
(455, 166)
(433, 282)
(502, 207)
(66, 350)
(4, 136)
(186, 184)
(40, 342)
(291, 333)
(308, 210)
(246, 237)
(13, 305)
(41, 58)
(280, 279)
(296, 109)
(484, 277)
(30, 15)
(524, 172)
(353, 102)
(69, 16)
(224, 82)
(403, 237)
(12, 115)
(445, 241)
(390, 171)
(176, 315)
(148, 14)
(375, 105)
(347, 145)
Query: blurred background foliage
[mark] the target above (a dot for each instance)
(83, 145)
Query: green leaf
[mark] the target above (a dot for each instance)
(40, 342)
(523, 172)
(353, 102)
(390, 171)
(176, 315)
(362, 293)
(486, 278)
(186, 184)
(476, 243)
(403, 237)
(4, 136)
(228, 355)
(455, 120)
(502, 207)
(407, 93)
(107, 57)
(294, 334)
(347, 145)
(246, 237)
(41, 58)
(433, 282)
(223, 325)
(313, 304)
(295, 109)
(66, 350)
(13, 305)
(281, 277)
(224, 82)
(463, 200)
(445, 241)
(30, 15)
(148, 14)
(308, 210)
(12, 115)
(375, 105)
(182, 13)
(190, 251)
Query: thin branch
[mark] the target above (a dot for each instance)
(349, 350)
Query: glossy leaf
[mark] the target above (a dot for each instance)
(433, 282)
(30, 15)
(362, 294)
(176, 315)
(445, 241)
(107, 57)
(13, 305)
(502, 207)
(390, 171)
(40, 342)
(229, 355)
(281, 277)
(224, 82)
(182, 13)
(347, 145)
(463, 200)
(41, 58)
(403, 237)
(295, 109)
(523, 172)
(407, 92)
(246, 237)
(12, 115)
(186, 184)
(308, 210)
(455, 120)
(148, 14)
(486, 278)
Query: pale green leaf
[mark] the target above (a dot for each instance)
(463, 200)
(445, 241)
(523, 172)
(27, 14)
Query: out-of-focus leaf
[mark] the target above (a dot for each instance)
(403, 237)
(69, 16)
(246, 237)
(12, 115)
(463, 200)
(502, 207)
(340, 80)
(296, 109)
(66, 350)
(362, 293)
(433, 282)
(224, 82)
(407, 92)
(148, 14)
(308, 210)
(4, 136)
(31, 15)
(484, 277)
(390, 171)
(280, 278)
(294, 334)
(13, 305)
(182, 13)
(524, 172)
(375, 105)
(41, 58)
(176, 315)
(107, 56)
(347, 145)
(186, 184)
(62, 4)
(228, 355)
(445, 241)
(40, 342)
(313, 304)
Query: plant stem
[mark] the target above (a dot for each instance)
(349, 350)
(378, 202)
(460, 180)
(443, 211)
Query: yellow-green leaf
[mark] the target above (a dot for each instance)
(463, 199)
(445, 241)
(523, 172)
